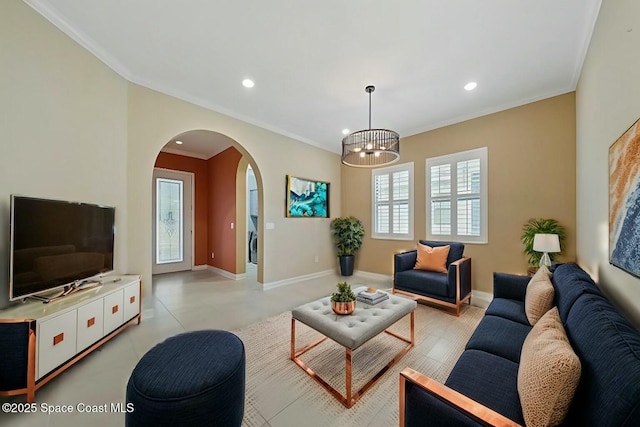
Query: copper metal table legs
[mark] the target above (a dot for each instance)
(350, 399)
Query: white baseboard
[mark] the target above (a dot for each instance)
(199, 267)
(373, 276)
(292, 280)
(225, 273)
(481, 299)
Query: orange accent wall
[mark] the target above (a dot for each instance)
(222, 208)
(200, 168)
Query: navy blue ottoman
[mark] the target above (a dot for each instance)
(191, 379)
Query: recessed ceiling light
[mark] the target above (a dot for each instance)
(179, 142)
(345, 131)
(248, 83)
(470, 86)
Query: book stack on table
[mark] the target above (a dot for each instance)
(372, 297)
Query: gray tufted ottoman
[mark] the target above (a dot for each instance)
(351, 331)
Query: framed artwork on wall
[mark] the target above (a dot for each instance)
(307, 198)
(624, 201)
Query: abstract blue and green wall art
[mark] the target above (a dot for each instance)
(624, 201)
(307, 198)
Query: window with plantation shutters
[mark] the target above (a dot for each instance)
(457, 197)
(392, 207)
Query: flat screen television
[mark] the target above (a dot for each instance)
(56, 244)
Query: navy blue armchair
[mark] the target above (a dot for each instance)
(449, 289)
(17, 363)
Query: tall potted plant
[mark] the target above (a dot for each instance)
(540, 226)
(348, 233)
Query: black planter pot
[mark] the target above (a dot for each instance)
(346, 264)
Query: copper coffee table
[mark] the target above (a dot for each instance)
(351, 331)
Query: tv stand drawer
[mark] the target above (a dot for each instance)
(90, 324)
(131, 301)
(56, 342)
(113, 311)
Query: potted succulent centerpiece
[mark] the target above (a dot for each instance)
(343, 301)
(540, 226)
(348, 233)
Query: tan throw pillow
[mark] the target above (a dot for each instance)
(432, 259)
(548, 374)
(539, 295)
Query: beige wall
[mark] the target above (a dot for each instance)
(607, 103)
(289, 249)
(63, 120)
(531, 162)
(73, 129)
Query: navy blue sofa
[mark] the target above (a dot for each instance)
(449, 289)
(608, 393)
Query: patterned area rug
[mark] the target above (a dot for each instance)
(281, 393)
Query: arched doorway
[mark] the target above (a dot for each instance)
(252, 217)
(220, 201)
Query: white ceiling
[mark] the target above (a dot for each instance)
(201, 144)
(311, 60)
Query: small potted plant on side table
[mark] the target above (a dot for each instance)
(343, 301)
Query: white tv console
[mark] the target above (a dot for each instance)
(59, 333)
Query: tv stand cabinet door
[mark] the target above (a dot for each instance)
(113, 311)
(56, 342)
(131, 301)
(90, 324)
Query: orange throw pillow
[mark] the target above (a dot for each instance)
(432, 259)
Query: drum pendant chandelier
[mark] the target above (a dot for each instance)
(371, 147)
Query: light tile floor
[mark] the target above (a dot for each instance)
(180, 302)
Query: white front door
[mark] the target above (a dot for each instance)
(172, 221)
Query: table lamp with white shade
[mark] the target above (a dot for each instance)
(547, 243)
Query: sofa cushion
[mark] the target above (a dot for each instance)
(456, 250)
(548, 374)
(432, 258)
(499, 336)
(509, 309)
(539, 296)
(570, 281)
(609, 349)
(490, 380)
(420, 281)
